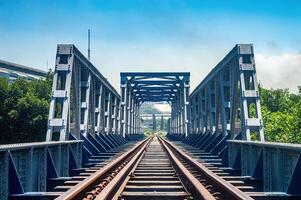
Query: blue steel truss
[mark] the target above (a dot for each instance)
(82, 100)
(227, 99)
(140, 87)
(155, 86)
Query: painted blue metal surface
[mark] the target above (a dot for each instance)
(277, 164)
(140, 87)
(155, 86)
(26, 167)
(34, 167)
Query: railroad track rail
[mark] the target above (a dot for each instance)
(154, 169)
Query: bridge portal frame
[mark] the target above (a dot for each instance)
(139, 87)
(227, 100)
(82, 100)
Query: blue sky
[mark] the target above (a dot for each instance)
(156, 35)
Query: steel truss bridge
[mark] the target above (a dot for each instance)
(95, 148)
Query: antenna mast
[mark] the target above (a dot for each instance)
(89, 51)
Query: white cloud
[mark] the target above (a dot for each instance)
(113, 60)
(165, 108)
(279, 71)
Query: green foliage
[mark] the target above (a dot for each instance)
(281, 112)
(161, 133)
(24, 109)
(149, 132)
(276, 99)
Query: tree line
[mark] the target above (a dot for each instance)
(281, 112)
(24, 107)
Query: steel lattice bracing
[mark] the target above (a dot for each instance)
(83, 101)
(139, 87)
(227, 100)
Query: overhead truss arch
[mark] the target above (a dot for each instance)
(140, 87)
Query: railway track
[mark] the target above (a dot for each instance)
(154, 169)
(154, 177)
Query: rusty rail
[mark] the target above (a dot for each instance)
(84, 186)
(110, 191)
(231, 190)
(199, 190)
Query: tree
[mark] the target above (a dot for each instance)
(154, 123)
(24, 109)
(162, 123)
(281, 113)
(275, 99)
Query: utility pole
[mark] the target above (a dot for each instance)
(89, 51)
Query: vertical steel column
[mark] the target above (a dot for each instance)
(139, 121)
(108, 114)
(224, 82)
(180, 113)
(114, 115)
(186, 107)
(171, 121)
(195, 113)
(61, 89)
(249, 94)
(203, 111)
(124, 102)
(212, 108)
(129, 108)
(178, 123)
(199, 113)
(118, 116)
(192, 108)
(92, 106)
(86, 87)
(99, 110)
(132, 114)
(135, 117)
(173, 118)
